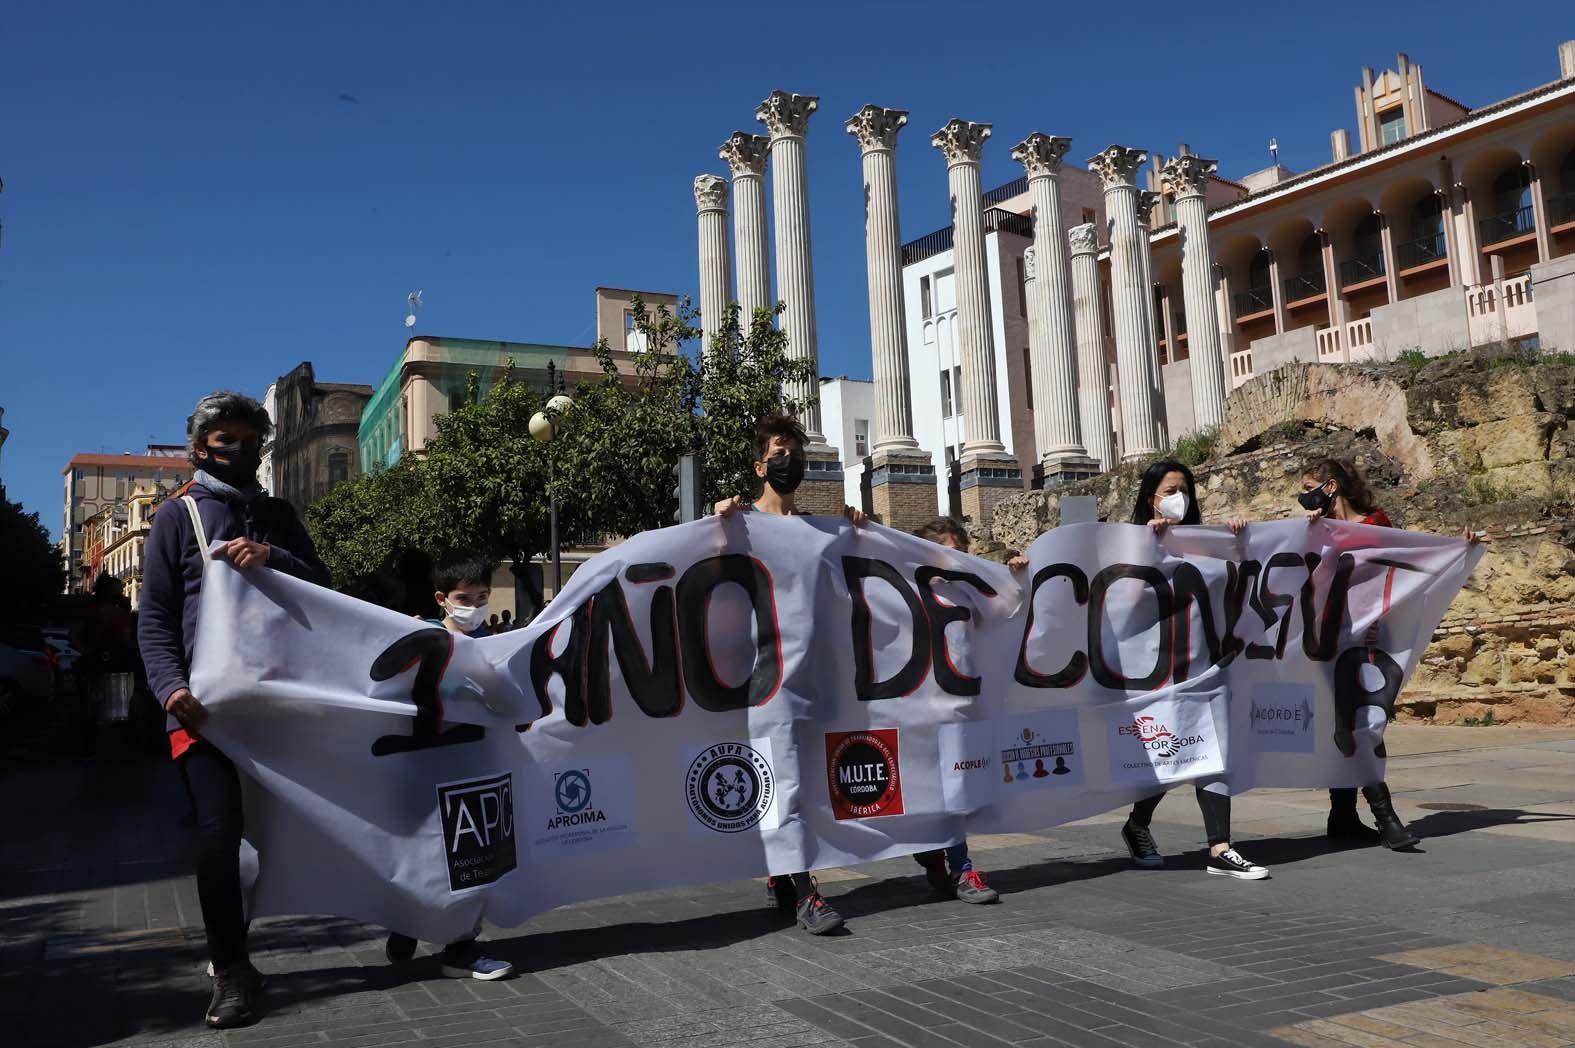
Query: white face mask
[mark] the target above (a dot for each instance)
(1174, 506)
(467, 619)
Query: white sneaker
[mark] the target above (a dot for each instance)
(1231, 863)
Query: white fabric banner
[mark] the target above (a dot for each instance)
(731, 698)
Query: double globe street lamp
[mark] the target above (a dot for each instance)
(545, 426)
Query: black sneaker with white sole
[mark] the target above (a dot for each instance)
(1140, 843)
(1231, 863)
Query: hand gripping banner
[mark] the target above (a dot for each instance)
(731, 698)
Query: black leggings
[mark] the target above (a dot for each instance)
(1214, 806)
(216, 796)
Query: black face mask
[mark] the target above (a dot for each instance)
(785, 472)
(1317, 499)
(241, 471)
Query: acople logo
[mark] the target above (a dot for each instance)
(478, 829)
(1156, 737)
(863, 773)
(730, 787)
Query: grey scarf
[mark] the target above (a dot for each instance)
(228, 492)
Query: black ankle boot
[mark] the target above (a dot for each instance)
(1344, 824)
(1392, 832)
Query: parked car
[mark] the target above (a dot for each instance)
(28, 668)
(65, 655)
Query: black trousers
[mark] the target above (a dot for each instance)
(1214, 806)
(216, 796)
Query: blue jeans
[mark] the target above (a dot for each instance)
(957, 858)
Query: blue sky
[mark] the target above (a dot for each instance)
(203, 195)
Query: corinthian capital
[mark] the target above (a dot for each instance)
(1146, 199)
(1040, 154)
(786, 114)
(1187, 175)
(745, 153)
(1028, 263)
(960, 141)
(877, 128)
(1116, 165)
(1084, 239)
(710, 193)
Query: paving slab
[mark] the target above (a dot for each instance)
(1469, 940)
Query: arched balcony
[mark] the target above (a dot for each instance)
(1170, 317)
(1553, 161)
(1356, 233)
(1498, 186)
(1416, 214)
(1298, 249)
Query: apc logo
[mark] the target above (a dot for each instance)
(478, 829)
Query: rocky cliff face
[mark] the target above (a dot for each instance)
(1464, 441)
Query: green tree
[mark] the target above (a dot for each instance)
(30, 571)
(482, 484)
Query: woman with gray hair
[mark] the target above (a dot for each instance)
(225, 505)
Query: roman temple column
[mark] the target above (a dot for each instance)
(1187, 177)
(1155, 324)
(1135, 348)
(1052, 347)
(1093, 390)
(787, 117)
(901, 487)
(988, 473)
(746, 158)
(716, 265)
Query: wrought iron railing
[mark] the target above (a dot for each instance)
(1561, 208)
(1429, 247)
(1362, 267)
(996, 220)
(1304, 285)
(1506, 225)
(1253, 300)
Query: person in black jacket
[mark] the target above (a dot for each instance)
(227, 512)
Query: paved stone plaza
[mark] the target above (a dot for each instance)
(1469, 942)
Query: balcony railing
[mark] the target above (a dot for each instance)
(996, 220)
(1304, 285)
(1361, 268)
(1561, 209)
(1506, 225)
(1253, 300)
(1421, 251)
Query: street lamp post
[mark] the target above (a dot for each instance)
(544, 426)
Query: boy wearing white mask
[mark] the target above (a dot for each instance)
(463, 590)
